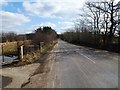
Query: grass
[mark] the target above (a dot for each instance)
(36, 55)
(29, 58)
(10, 48)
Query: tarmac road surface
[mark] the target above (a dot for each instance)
(83, 67)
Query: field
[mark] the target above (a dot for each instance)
(9, 48)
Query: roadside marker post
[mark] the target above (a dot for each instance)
(2, 53)
(20, 52)
(21, 48)
(41, 46)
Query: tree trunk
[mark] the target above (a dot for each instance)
(111, 34)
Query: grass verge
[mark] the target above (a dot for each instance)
(35, 56)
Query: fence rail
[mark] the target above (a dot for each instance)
(27, 49)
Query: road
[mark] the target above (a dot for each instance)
(83, 67)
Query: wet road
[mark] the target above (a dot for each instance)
(82, 67)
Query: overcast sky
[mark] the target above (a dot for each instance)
(24, 16)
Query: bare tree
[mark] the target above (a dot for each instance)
(109, 8)
(96, 14)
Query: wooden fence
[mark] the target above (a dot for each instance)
(27, 49)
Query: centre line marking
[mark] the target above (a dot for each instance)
(88, 58)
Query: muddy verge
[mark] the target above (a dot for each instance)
(38, 78)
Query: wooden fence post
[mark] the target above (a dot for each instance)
(20, 52)
(2, 46)
(41, 46)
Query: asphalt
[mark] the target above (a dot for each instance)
(83, 67)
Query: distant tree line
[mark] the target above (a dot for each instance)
(11, 37)
(42, 34)
(98, 26)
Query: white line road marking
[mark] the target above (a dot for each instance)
(87, 58)
(53, 85)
